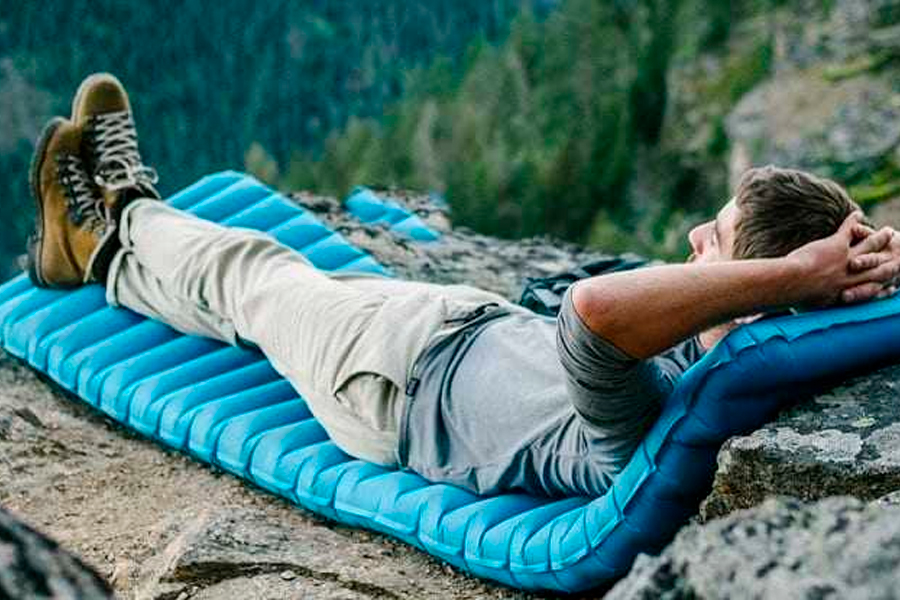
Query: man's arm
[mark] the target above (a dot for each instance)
(646, 311)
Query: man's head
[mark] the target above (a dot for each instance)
(774, 211)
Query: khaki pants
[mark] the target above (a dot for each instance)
(345, 342)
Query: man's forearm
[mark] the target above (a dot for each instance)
(643, 312)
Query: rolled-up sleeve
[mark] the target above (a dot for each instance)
(611, 390)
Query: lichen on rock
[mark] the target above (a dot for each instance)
(845, 441)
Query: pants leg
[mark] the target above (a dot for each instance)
(132, 285)
(235, 284)
(346, 344)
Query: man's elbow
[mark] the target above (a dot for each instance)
(615, 320)
(595, 308)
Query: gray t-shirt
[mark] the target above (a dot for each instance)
(515, 400)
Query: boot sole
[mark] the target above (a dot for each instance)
(36, 239)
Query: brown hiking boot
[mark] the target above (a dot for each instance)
(73, 234)
(102, 111)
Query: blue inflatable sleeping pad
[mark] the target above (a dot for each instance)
(369, 207)
(228, 407)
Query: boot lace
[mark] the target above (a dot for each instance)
(84, 206)
(118, 163)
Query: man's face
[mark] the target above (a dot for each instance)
(714, 240)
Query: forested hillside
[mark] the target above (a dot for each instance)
(560, 129)
(615, 123)
(212, 80)
(621, 123)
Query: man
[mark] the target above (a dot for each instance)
(453, 382)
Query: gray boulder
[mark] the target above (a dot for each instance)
(238, 552)
(835, 548)
(842, 442)
(33, 567)
(836, 129)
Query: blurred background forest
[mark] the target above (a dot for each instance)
(613, 123)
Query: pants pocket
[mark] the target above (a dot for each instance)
(373, 399)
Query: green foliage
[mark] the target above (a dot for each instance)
(531, 116)
(882, 184)
(870, 194)
(742, 72)
(866, 63)
(653, 53)
(541, 134)
(718, 26)
(260, 163)
(606, 233)
(532, 137)
(718, 142)
(210, 79)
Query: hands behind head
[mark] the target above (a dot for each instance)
(855, 264)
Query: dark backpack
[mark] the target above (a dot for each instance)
(544, 295)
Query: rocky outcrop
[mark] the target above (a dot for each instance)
(831, 105)
(803, 84)
(835, 548)
(462, 256)
(842, 129)
(235, 552)
(858, 26)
